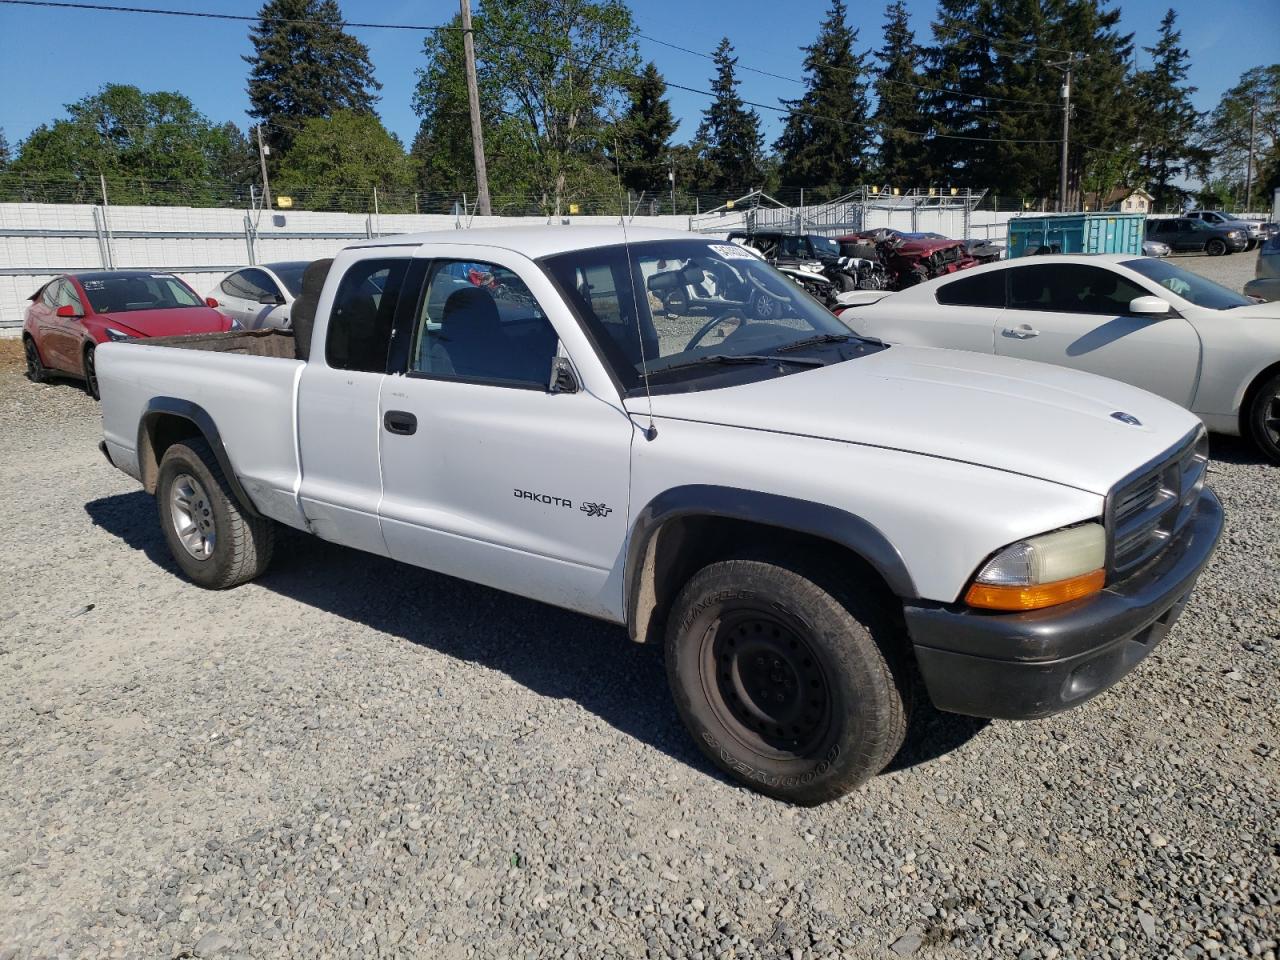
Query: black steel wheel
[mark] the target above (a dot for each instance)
(767, 680)
(790, 681)
(90, 373)
(36, 371)
(1215, 247)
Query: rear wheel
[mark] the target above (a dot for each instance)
(36, 371)
(1264, 419)
(90, 373)
(1215, 247)
(787, 683)
(215, 542)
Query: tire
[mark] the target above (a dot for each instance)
(846, 282)
(1264, 419)
(90, 373)
(1215, 247)
(743, 632)
(224, 546)
(37, 372)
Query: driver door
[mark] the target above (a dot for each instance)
(487, 473)
(1076, 315)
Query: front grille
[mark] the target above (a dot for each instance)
(1148, 508)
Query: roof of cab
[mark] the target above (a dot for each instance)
(536, 241)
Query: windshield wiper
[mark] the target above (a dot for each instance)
(810, 341)
(726, 358)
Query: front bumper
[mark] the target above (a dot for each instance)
(1018, 666)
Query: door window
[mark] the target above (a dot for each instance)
(1071, 288)
(65, 295)
(982, 290)
(478, 322)
(360, 320)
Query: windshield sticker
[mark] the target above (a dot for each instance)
(731, 251)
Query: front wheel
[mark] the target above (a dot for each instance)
(789, 684)
(215, 542)
(1215, 247)
(1264, 419)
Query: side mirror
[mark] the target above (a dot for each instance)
(563, 379)
(211, 302)
(1149, 306)
(271, 300)
(67, 311)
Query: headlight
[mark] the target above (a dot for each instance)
(1234, 233)
(115, 334)
(1043, 571)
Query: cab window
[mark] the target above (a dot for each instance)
(479, 323)
(360, 320)
(1072, 288)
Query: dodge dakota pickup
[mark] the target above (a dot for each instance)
(814, 523)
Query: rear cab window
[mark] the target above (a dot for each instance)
(362, 315)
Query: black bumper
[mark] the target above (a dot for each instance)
(1017, 666)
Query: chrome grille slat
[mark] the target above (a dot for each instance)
(1147, 510)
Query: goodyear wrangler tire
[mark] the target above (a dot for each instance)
(787, 683)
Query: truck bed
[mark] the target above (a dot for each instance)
(256, 343)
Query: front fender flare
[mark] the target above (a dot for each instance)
(808, 517)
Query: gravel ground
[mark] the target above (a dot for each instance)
(1234, 270)
(352, 758)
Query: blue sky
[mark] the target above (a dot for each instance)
(54, 56)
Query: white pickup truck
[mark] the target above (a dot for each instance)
(807, 517)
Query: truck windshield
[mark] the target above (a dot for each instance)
(695, 299)
(1187, 285)
(825, 246)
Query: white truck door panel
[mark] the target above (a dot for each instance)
(516, 489)
(1096, 334)
(486, 473)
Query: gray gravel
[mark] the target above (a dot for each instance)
(352, 758)
(1233, 270)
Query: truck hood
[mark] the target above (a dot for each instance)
(1034, 419)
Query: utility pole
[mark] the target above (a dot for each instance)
(1248, 176)
(672, 177)
(263, 150)
(473, 98)
(1066, 66)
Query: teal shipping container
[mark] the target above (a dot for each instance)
(1077, 233)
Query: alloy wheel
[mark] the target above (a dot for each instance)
(192, 515)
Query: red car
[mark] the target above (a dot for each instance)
(71, 314)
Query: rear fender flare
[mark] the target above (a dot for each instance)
(159, 408)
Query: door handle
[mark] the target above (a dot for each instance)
(401, 422)
(1024, 331)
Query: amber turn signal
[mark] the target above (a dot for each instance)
(1035, 596)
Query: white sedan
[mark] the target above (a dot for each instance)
(1143, 321)
(260, 296)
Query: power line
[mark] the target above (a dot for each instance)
(155, 11)
(208, 15)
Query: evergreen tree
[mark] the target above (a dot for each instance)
(4, 151)
(730, 132)
(825, 138)
(305, 65)
(644, 133)
(899, 116)
(962, 74)
(1167, 143)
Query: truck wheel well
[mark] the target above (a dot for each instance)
(684, 545)
(1252, 392)
(159, 433)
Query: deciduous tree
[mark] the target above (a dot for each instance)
(335, 162)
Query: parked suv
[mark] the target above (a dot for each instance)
(1187, 234)
(1253, 229)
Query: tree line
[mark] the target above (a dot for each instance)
(570, 112)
